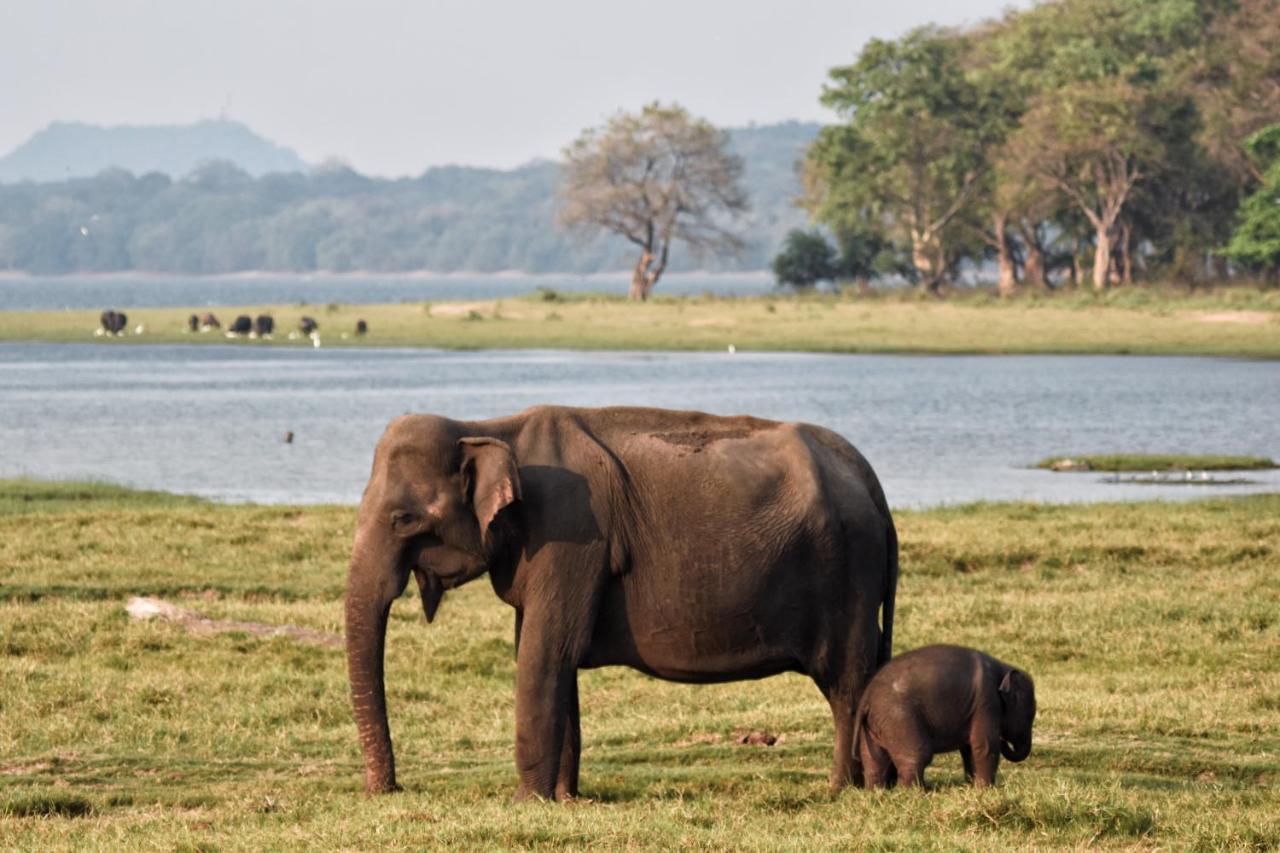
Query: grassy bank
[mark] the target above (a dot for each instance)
(1151, 630)
(1234, 325)
(1156, 462)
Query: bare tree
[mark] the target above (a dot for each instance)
(654, 177)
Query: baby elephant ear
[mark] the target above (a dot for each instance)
(494, 481)
(1006, 685)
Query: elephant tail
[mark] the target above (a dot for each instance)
(890, 594)
(859, 731)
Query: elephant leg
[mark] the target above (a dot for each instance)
(542, 682)
(567, 781)
(877, 767)
(845, 767)
(966, 756)
(910, 769)
(985, 758)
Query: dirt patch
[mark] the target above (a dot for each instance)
(155, 608)
(698, 439)
(459, 309)
(24, 769)
(1250, 318)
(759, 737)
(754, 737)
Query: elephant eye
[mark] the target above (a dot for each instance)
(401, 519)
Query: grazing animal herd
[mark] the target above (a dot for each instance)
(114, 323)
(687, 546)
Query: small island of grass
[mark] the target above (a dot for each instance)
(1155, 462)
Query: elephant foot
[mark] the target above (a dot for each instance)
(524, 795)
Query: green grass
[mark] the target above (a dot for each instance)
(1234, 322)
(1152, 631)
(26, 496)
(1161, 462)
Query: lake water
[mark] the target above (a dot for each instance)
(209, 420)
(163, 291)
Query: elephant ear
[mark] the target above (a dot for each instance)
(1006, 684)
(1015, 683)
(494, 481)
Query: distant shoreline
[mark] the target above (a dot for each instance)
(613, 276)
(1079, 324)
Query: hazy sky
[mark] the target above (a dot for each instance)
(393, 86)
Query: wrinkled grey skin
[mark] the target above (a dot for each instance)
(690, 547)
(941, 699)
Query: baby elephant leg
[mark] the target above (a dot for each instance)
(877, 767)
(980, 763)
(910, 767)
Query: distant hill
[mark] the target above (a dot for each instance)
(220, 218)
(74, 150)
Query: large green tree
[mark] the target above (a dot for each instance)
(1256, 242)
(911, 152)
(806, 258)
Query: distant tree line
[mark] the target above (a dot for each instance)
(1079, 141)
(218, 219)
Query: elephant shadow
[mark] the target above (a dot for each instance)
(558, 505)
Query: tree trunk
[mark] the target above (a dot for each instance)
(1033, 267)
(1126, 253)
(928, 259)
(1077, 263)
(646, 273)
(1007, 285)
(1101, 260)
(640, 285)
(1033, 271)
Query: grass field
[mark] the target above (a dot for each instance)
(1235, 322)
(1159, 462)
(1153, 632)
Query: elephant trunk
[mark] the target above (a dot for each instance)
(368, 605)
(1016, 750)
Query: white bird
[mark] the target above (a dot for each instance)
(139, 329)
(732, 349)
(315, 340)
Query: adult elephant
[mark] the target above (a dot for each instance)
(691, 547)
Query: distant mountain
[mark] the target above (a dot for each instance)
(219, 218)
(74, 150)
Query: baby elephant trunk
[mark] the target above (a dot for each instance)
(1016, 750)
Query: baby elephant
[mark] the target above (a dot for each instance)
(939, 699)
